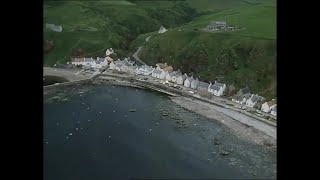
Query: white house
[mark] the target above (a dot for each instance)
(103, 62)
(54, 27)
(112, 65)
(118, 64)
(94, 64)
(127, 59)
(109, 51)
(237, 98)
(162, 30)
(170, 75)
(119, 67)
(156, 73)
(241, 99)
(77, 61)
(267, 106)
(181, 79)
(125, 67)
(166, 70)
(100, 62)
(175, 76)
(145, 70)
(132, 69)
(163, 74)
(188, 81)
(194, 83)
(274, 111)
(253, 100)
(216, 89)
(88, 62)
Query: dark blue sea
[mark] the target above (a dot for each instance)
(90, 134)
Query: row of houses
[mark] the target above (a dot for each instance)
(244, 97)
(94, 63)
(165, 72)
(90, 62)
(219, 25)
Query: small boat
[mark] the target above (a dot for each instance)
(225, 153)
(165, 114)
(132, 110)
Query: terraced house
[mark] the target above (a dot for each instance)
(194, 83)
(182, 78)
(217, 88)
(251, 102)
(188, 81)
(268, 106)
(156, 73)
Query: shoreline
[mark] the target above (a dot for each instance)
(255, 132)
(244, 126)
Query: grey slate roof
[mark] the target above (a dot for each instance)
(247, 96)
(120, 62)
(149, 68)
(190, 79)
(99, 60)
(237, 97)
(178, 73)
(87, 60)
(184, 77)
(218, 84)
(127, 64)
(203, 84)
(255, 98)
(214, 87)
(245, 90)
(157, 71)
(173, 73)
(195, 81)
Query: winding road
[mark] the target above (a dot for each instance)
(135, 55)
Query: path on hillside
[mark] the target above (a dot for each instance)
(135, 55)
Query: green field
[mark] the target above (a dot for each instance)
(94, 26)
(243, 57)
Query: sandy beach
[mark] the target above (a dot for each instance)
(243, 126)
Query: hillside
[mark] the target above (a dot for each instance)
(93, 26)
(244, 57)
